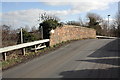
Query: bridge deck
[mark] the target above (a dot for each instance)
(94, 58)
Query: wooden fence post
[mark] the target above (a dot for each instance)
(4, 56)
(35, 48)
(23, 51)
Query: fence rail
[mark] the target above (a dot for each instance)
(24, 45)
(105, 37)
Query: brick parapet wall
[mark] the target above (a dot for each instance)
(69, 32)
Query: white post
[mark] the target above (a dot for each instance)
(22, 41)
(23, 51)
(35, 48)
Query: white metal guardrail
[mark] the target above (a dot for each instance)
(24, 45)
(106, 37)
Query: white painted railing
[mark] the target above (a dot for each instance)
(24, 45)
(105, 37)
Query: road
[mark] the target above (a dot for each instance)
(91, 58)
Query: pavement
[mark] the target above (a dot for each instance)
(90, 58)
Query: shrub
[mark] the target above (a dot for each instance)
(27, 37)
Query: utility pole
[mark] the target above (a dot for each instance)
(21, 31)
(108, 21)
(21, 35)
(108, 26)
(41, 27)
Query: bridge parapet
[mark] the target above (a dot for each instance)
(70, 32)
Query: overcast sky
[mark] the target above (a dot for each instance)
(19, 14)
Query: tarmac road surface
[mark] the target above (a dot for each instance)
(90, 58)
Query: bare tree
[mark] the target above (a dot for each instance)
(0, 36)
(94, 19)
(117, 23)
(27, 28)
(33, 29)
(94, 22)
(45, 17)
(76, 23)
(81, 22)
(104, 28)
(9, 36)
